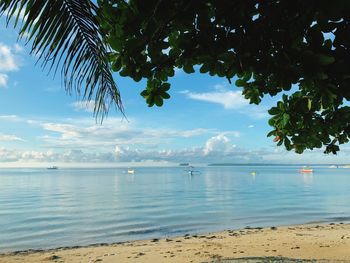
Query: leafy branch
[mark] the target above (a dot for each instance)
(65, 34)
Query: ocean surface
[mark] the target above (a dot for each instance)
(42, 208)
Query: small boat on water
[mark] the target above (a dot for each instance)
(333, 166)
(191, 171)
(52, 168)
(306, 169)
(131, 171)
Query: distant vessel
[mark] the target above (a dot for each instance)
(190, 171)
(184, 164)
(131, 171)
(333, 166)
(52, 168)
(306, 169)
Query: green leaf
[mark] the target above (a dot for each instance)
(272, 122)
(325, 59)
(144, 93)
(285, 119)
(204, 68)
(115, 42)
(188, 68)
(271, 133)
(165, 86)
(240, 83)
(66, 35)
(247, 76)
(274, 111)
(280, 105)
(158, 101)
(165, 95)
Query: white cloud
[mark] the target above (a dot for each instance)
(3, 80)
(8, 62)
(68, 131)
(216, 149)
(218, 144)
(85, 105)
(9, 137)
(7, 155)
(88, 134)
(229, 99)
(9, 117)
(82, 140)
(18, 48)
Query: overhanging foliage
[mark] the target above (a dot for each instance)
(269, 45)
(65, 34)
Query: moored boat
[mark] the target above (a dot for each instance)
(306, 169)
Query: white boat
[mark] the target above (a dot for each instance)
(190, 171)
(131, 171)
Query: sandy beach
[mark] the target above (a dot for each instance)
(322, 241)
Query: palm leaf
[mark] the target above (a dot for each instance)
(65, 34)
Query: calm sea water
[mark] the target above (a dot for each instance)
(42, 208)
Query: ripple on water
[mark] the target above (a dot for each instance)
(71, 207)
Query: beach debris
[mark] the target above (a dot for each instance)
(295, 247)
(52, 257)
(273, 228)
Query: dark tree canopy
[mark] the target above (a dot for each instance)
(299, 48)
(268, 45)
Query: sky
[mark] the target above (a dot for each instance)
(207, 120)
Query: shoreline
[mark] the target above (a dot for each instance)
(324, 241)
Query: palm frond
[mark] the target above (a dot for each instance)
(65, 34)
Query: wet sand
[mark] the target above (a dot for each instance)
(323, 242)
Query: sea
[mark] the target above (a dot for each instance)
(42, 209)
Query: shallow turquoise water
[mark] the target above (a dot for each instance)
(42, 208)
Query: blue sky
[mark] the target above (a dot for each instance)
(206, 120)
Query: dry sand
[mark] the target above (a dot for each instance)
(324, 241)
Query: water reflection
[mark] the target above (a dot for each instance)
(308, 178)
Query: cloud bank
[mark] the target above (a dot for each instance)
(8, 61)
